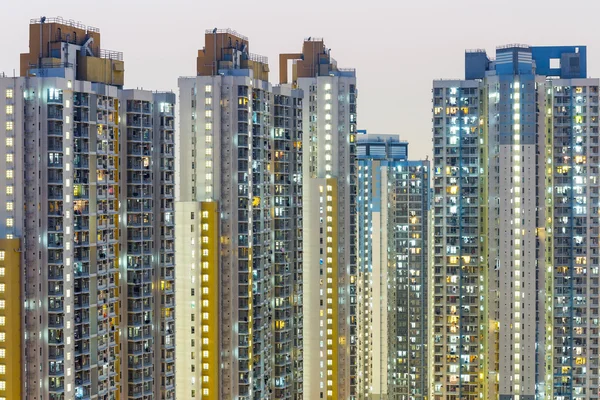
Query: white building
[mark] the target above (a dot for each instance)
(515, 204)
(329, 209)
(67, 125)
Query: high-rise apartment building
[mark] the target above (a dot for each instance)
(393, 233)
(329, 220)
(242, 212)
(515, 314)
(88, 174)
(239, 258)
(572, 324)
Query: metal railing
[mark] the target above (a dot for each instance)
(513, 45)
(111, 54)
(62, 21)
(258, 58)
(228, 31)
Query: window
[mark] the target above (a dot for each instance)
(208, 126)
(2, 254)
(9, 206)
(2, 288)
(9, 222)
(9, 109)
(208, 88)
(9, 189)
(208, 113)
(2, 304)
(9, 142)
(9, 174)
(9, 158)
(2, 323)
(9, 125)
(10, 93)
(208, 101)
(2, 385)
(2, 271)
(2, 337)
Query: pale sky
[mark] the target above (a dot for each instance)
(398, 47)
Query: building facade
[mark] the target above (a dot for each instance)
(238, 210)
(393, 233)
(244, 164)
(518, 134)
(69, 197)
(330, 303)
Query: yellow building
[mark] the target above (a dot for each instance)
(10, 320)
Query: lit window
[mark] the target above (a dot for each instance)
(208, 88)
(9, 158)
(208, 101)
(2, 271)
(208, 126)
(2, 337)
(9, 222)
(209, 152)
(208, 113)
(2, 254)
(9, 174)
(2, 304)
(209, 164)
(10, 109)
(2, 287)
(9, 93)
(2, 323)
(208, 139)
(2, 369)
(9, 142)
(2, 385)
(9, 190)
(9, 125)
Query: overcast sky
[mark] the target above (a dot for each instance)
(397, 46)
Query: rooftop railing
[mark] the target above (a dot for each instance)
(228, 31)
(111, 54)
(62, 21)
